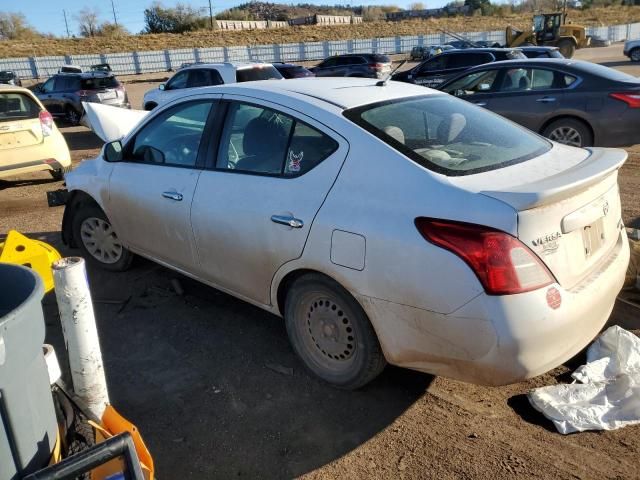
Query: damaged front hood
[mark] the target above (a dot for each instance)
(111, 123)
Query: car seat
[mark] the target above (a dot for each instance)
(263, 143)
(394, 132)
(450, 128)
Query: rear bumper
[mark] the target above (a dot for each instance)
(497, 340)
(620, 130)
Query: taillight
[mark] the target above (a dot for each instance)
(631, 99)
(46, 123)
(377, 66)
(502, 263)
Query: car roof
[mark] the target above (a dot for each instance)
(327, 93)
(537, 48)
(92, 74)
(476, 50)
(232, 65)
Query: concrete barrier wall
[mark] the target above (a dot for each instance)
(167, 60)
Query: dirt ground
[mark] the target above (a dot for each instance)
(217, 392)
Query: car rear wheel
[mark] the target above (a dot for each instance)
(96, 238)
(72, 116)
(331, 333)
(59, 173)
(569, 132)
(634, 55)
(567, 48)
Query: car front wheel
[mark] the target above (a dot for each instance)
(569, 132)
(331, 333)
(98, 241)
(634, 55)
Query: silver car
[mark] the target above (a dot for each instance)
(385, 222)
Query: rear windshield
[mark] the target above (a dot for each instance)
(262, 72)
(99, 83)
(381, 59)
(448, 135)
(17, 106)
(605, 72)
(6, 75)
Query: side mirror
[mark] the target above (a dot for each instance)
(161, 86)
(113, 151)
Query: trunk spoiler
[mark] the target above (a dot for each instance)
(111, 123)
(599, 164)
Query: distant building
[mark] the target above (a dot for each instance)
(429, 13)
(325, 20)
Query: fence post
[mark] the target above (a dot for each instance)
(349, 46)
(628, 35)
(68, 60)
(277, 52)
(398, 43)
(136, 62)
(196, 55)
(225, 52)
(167, 60)
(325, 49)
(33, 65)
(374, 45)
(103, 58)
(421, 40)
(301, 51)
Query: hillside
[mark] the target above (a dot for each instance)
(206, 38)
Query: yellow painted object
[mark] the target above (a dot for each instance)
(113, 424)
(39, 256)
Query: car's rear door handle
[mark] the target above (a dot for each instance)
(173, 196)
(287, 220)
(546, 100)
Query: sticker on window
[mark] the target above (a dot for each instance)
(295, 160)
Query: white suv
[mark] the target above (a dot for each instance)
(632, 50)
(208, 74)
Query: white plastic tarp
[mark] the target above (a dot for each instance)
(111, 123)
(608, 393)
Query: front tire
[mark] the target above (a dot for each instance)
(96, 238)
(567, 48)
(331, 333)
(569, 131)
(72, 116)
(634, 54)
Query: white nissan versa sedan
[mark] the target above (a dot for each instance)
(384, 222)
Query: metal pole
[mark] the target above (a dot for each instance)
(115, 20)
(210, 14)
(80, 333)
(66, 24)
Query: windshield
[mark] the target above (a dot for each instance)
(99, 83)
(262, 72)
(17, 106)
(448, 135)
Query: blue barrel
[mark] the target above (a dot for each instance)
(28, 426)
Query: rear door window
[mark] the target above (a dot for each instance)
(199, 77)
(469, 60)
(476, 82)
(178, 81)
(17, 106)
(259, 72)
(435, 64)
(522, 79)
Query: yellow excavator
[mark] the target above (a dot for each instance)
(550, 29)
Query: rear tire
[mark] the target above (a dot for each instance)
(72, 116)
(569, 131)
(567, 48)
(634, 54)
(94, 235)
(331, 333)
(60, 173)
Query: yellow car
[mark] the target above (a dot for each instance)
(29, 140)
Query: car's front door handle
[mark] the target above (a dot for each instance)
(173, 196)
(546, 100)
(481, 104)
(287, 220)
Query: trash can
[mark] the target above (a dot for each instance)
(28, 426)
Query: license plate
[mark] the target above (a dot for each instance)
(107, 95)
(593, 237)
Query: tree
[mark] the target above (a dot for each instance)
(87, 19)
(417, 6)
(14, 26)
(179, 19)
(108, 29)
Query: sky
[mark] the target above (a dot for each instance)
(48, 17)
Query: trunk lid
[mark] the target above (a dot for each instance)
(568, 207)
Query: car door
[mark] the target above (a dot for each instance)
(430, 72)
(253, 209)
(327, 68)
(47, 96)
(528, 96)
(151, 190)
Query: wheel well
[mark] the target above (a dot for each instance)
(570, 117)
(289, 279)
(77, 199)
